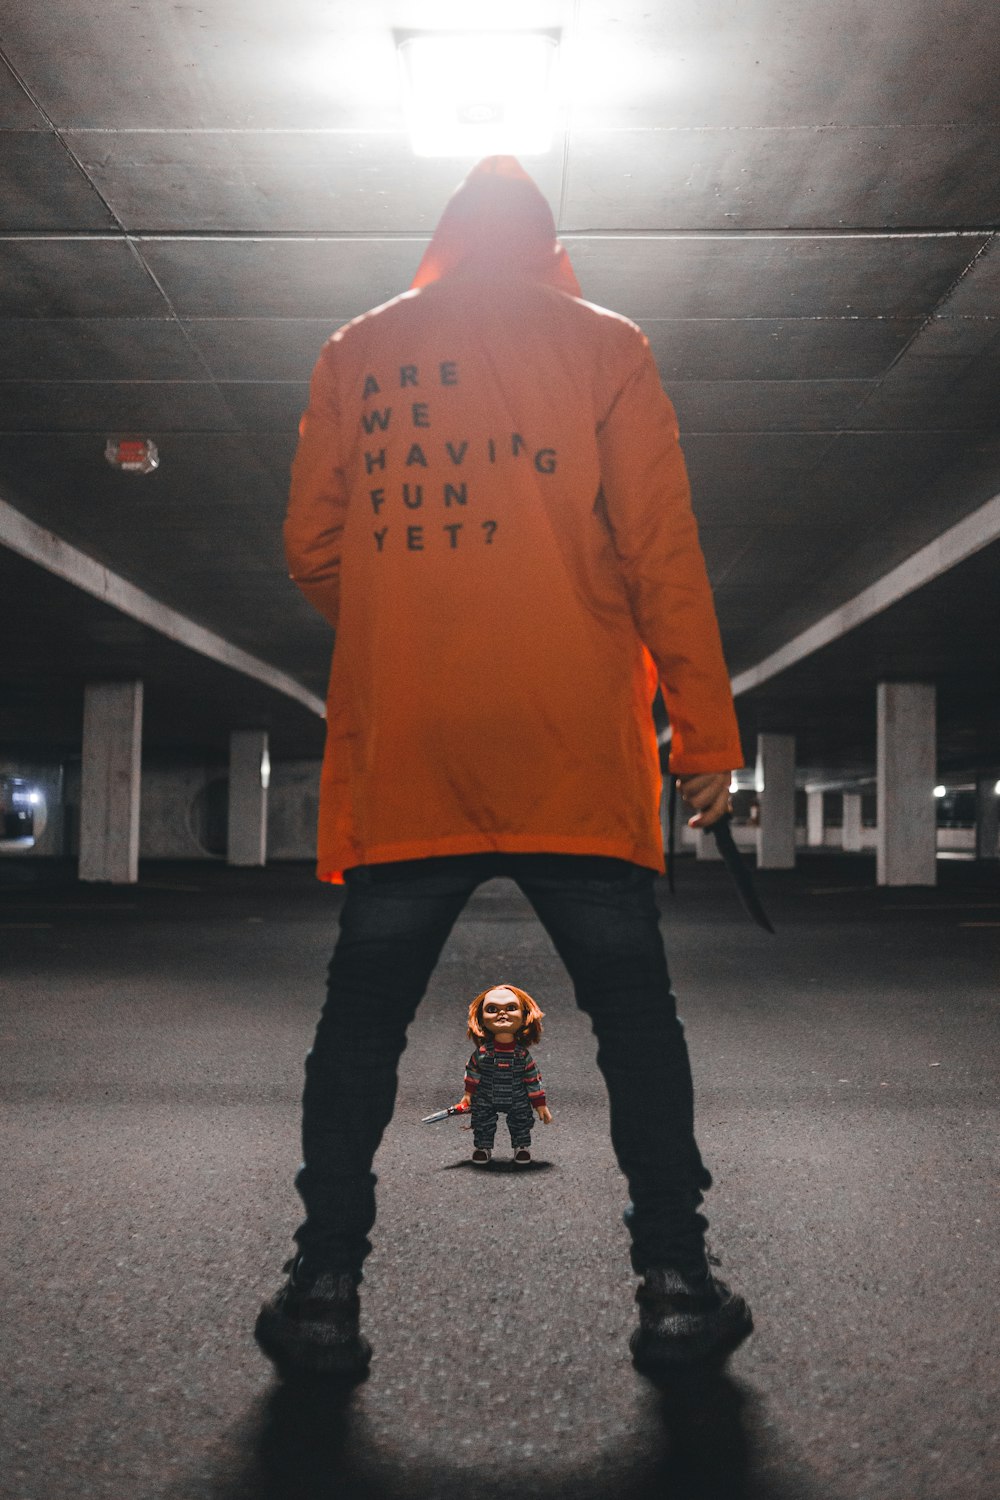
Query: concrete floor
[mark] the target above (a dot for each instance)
(845, 1073)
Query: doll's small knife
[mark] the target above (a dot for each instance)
(442, 1114)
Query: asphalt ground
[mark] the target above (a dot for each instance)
(845, 1076)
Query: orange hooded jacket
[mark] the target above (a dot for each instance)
(490, 506)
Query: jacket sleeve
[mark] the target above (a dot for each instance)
(648, 509)
(317, 504)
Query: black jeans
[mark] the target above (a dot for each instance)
(602, 918)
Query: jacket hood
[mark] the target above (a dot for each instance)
(498, 221)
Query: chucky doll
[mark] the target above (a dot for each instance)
(501, 1076)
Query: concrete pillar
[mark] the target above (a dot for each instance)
(705, 846)
(110, 775)
(249, 774)
(851, 832)
(775, 779)
(987, 818)
(906, 766)
(814, 819)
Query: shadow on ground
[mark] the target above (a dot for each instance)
(704, 1439)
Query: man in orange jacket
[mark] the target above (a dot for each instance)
(490, 506)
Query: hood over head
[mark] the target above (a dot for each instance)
(497, 220)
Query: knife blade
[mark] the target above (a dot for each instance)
(739, 870)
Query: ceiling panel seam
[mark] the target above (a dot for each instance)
(50, 551)
(60, 137)
(935, 312)
(962, 275)
(192, 347)
(20, 83)
(200, 358)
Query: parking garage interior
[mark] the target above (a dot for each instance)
(799, 207)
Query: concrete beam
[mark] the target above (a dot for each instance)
(49, 551)
(953, 546)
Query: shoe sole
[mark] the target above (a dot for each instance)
(307, 1349)
(715, 1341)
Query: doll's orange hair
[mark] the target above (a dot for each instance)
(529, 1032)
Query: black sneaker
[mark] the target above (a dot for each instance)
(310, 1326)
(522, 1156)
(481, 1156)
(685, 1320)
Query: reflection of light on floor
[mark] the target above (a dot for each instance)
(956, 854)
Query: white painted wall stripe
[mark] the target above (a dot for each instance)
(65, 561)
(953, 546)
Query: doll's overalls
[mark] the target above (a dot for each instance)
(501, 1090)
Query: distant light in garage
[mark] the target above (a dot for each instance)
(265, 770)
(940, 791)
(132, 455)
(480, 93)
(996, 789)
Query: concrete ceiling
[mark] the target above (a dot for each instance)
(798, 203)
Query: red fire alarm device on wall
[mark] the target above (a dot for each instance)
(132, 455)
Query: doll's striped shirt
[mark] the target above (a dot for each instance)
(491, 1063)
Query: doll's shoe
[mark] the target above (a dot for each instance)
(685, 1320)
(481, 1156)
(310, 1327)
(522, 1156)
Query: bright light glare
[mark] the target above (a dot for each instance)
(480, 94)
(996, 789)
(265, 770)
(34, 798)
(940, 791)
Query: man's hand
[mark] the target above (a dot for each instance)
(544, 1114)
(708, 794)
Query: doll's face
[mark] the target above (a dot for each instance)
(502, 1013)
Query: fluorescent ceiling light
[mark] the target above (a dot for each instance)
(480, 93)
